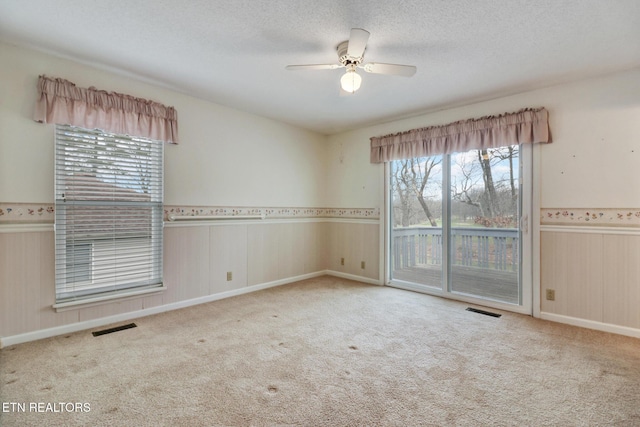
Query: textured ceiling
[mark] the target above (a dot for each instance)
(234, 52)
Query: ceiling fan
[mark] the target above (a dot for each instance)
(350, 56)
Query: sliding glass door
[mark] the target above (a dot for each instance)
(455, 225)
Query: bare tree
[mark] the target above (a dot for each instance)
(401, 190)
(463, 188)
(475, 184)
(488, 198)
(412, 177)
(509, 153)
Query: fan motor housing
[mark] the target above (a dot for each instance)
(344, 58)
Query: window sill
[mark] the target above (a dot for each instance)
(106, 299)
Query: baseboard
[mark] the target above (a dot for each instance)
(89, 324)
(353, 277)
(591, 324)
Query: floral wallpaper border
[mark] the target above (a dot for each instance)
(31, 213)
(28, 213)
(273, 213)
(603, 217)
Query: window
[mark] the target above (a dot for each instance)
(109, 201)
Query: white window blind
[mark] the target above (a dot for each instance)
(109, 201)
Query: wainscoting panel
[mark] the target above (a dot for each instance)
(595, 272)
(280, 250)
(152, 301)
(186, 263)
(198, 253)
(336, 245)
(370, 250)
(571, 265)
(263, 253)
(20, 275)
(292, 249)
(110, 309)
(228, 252)
(315, 238)
(355, 242)
(621, 284)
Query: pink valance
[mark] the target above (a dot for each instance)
(523, 127)
(60, 101)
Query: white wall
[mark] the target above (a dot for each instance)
(226, 157)
(592, 162)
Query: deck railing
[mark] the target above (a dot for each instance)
(491, 248)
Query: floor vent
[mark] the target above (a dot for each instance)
(111, 330)
(486, 313)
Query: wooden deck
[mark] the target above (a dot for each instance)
(480, 282)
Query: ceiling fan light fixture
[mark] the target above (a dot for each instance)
(350, 81)
(350, 56)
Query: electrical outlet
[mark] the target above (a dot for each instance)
(341, 261)
(362, 265)
(229, 276)
(551, 295)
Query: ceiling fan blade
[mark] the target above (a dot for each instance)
(313, 67)
(391, 69)
(357, 42)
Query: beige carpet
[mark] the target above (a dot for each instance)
(328, 352)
